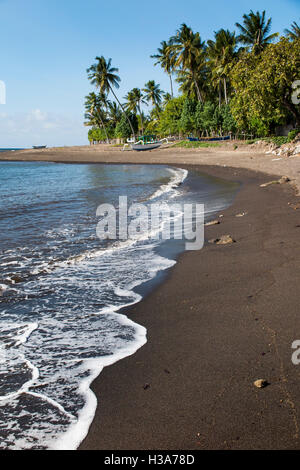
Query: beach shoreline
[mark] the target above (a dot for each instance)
(225, 317)
(226, 155)
(191, 386)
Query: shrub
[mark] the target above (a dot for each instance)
(123, 128)
(187, 144)
(280, 140)
(292, 134)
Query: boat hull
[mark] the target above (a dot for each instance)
(142, 147)
(210, 139)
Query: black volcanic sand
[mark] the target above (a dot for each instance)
(226, 316)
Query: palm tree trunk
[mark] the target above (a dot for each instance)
(198, 92)
(141, 116)
(220, 97)
(225, 90)
(129, 122)
(171, 85)
(107, 139)
(92, 111)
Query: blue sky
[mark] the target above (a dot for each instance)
(47, 46)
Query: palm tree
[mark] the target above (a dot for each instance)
(144, 121)
(166, 59)
(95, 114)
(294, 32)
(189, 53)
(254, 31)
(103, 76)
(167, 98)
(222, 54)
(134, 99)
(191, 82)
(114, 113)
(153, 94)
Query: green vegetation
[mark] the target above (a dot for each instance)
(126, 124)
(238, 83)
(294, 32)
(292, 134)
(263, 88)
(254, 31)
(187, 144)
(280, 140)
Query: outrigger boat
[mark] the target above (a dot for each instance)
(145, 142)
(209, 139)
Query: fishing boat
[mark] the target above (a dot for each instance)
(226, 137)
(209, 139)
(145, 142)
(39, 146)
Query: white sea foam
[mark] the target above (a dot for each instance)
(178, 177)
(25, 332)
(79, 430)
(10, 263)
(25, 387)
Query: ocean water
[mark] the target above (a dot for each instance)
(61, 287)
(9, 149)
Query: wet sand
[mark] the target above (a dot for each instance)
(226, 316)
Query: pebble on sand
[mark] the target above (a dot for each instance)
(223, 240)
(282, 180)
(212, 222)
(261, 383)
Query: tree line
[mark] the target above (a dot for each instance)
(234, 83)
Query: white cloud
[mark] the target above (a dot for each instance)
(36, 115)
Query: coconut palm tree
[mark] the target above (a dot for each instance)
(189, 53)
(114, 113)
(166, 59)
(167, 98)
(95, 113)
(103, 76)
(294, 32)
(134, 99)
(191, 82)
(254, 31)
(144, 121)
(222, 54)
(97, 119)
(153, 94)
